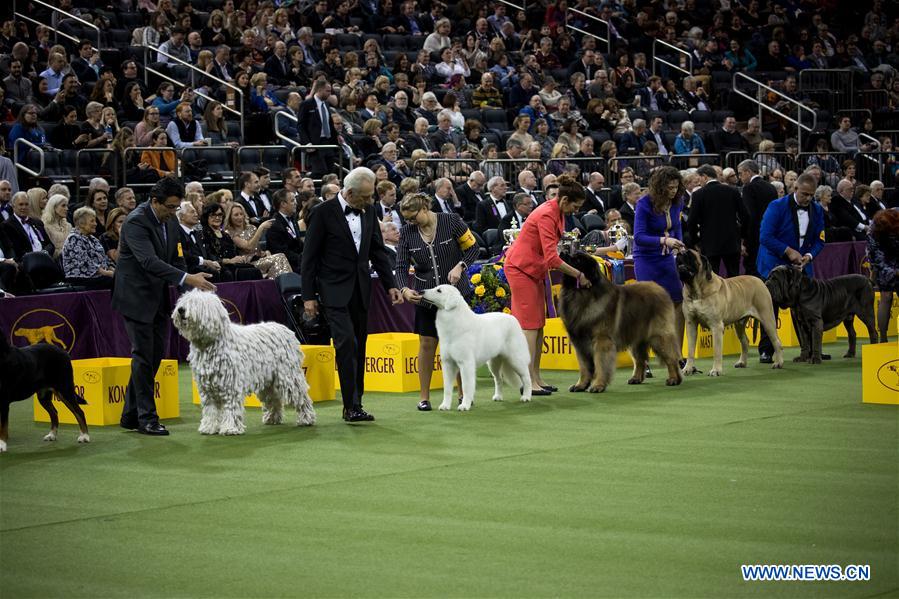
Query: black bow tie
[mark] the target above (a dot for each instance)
(801, 208)
(350, 209)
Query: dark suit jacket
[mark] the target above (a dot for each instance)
(505, 223)
(84, 71)
(718, 219)
(435, 207)
(469, 199)
(627, 214)
(192, 250)
(310, 125)
(332, 267)
(416, 142)
(487, 216)
(845, 215)
(277, 73)
(630, 144)
(757, 194)
(593, 201)
(217, 72)
(280, 241)
(19, 240)
(147, 264)
(438, 138)
(254, 208)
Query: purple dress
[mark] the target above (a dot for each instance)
(651, 262)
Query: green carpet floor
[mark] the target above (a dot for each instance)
(644, 491)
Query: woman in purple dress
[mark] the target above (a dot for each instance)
(658, 236)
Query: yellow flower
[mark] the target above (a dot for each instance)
(500, 292)
(476, 278)
(507, 311)
(479, 290)
(497, 267)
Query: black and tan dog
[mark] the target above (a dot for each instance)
(605, 317)
(821, 305)
(42, 369)
(715, 302)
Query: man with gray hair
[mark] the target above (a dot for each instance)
(192, 243)
(494, 207)
(631, 143)
(124, 199)
(445, 198)
(877, 189)
(445, 133)
(336, 276)
(470, 194)
(848, 213)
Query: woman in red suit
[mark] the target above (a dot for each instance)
(528, 261)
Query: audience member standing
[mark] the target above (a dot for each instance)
(757, 194)
(883, 250)
(718, 221)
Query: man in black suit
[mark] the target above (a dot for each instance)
(283, 236)
(87, 65)
(522, 207)
(489, 212)
(192, 244)
(248, 182)
(586, 64)
(26, 234)
(149, 260)
(445, 198)
(315, 127)
(470, 194)
(419, 140)
(848, 212)
(8, 266)
(343, 236)
(718, 221)
(757, 194)
(444, 133)
(277, 67)
(221, 64)
(594, 203)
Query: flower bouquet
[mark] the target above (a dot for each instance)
(491, 290)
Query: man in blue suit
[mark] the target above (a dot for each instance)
(792, 233)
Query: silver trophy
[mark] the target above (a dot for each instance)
(618, 232)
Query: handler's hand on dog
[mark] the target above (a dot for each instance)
(793, 256)
(310, 307)
(412, 296)
(583, 281)
(200, 281)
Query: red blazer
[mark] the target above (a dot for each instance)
(535, 252)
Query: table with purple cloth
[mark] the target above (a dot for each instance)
(86, 325)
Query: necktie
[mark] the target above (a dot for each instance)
(165, 234)
(326, 126)
(350, 209)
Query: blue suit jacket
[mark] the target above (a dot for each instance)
(780, 230)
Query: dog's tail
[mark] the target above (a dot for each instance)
(508, 375)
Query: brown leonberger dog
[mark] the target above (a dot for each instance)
(605, 317)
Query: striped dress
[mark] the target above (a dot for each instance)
(417, 261)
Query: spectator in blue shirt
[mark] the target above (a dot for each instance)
(688, 141)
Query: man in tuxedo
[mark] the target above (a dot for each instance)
(248, 182)
(527, 184)
(385, 207)
(283, 236)
(792, 234)
(445, 199)
(757, 194)
(26, 234)
(315, 127)
(847, 212)
(342, 238)
(494, 207)
(470, 194)
(594, 202)
(522, 207)
(192, 244)
(718, 221)
(277, 67)
(149, 260)
(6, 192)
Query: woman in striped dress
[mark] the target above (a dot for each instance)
(434, 249)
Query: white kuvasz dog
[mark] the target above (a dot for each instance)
(468, 340)
(230, 361)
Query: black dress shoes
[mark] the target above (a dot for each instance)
(423, 406)
(766, 359)
(551, 388)
(154, 429)
(825, 356)
(357, 415)
(541, 392)
(129, 425)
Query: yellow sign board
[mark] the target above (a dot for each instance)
(391, 364)
(880, 373)
(558, 353)
(318, 367)
(862, 331)
(102, 383)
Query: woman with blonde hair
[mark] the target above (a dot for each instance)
(247, 237)
(143, 131)
(37, 199)
(55, 223)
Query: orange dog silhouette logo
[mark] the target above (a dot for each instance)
(43, 326)
(233, 311)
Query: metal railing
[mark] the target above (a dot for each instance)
(595, 21)
(522, 7)
(298, 148)
(758, 98)
(685, 161)
(194, 70)
(20, 162)
(832, 89)
(686, 59)
(91, 152)
(133, 150)
(874, 99)
(55, 30)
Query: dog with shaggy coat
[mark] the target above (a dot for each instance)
(468, 340)
(230, 361)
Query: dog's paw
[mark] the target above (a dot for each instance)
(815, 360)
(577, 388)
(799, 359)
(2, 446)
(673, 382)
(596, 388)
(464, 406)
(237, 430)
(715, 372)
(445, 406)
(497, 397)
(84, 438)
(688, 370)
(51, 436)
(740, 364)
(849, 354)
(634, 381)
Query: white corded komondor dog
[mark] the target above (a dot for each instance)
(467, 340)
(230, 361)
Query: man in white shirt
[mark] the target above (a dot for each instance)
(655, 134)
(445, 198)
(184, 131)
(5, 200)
(527, 182)
(386, 208)
(192, 246)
